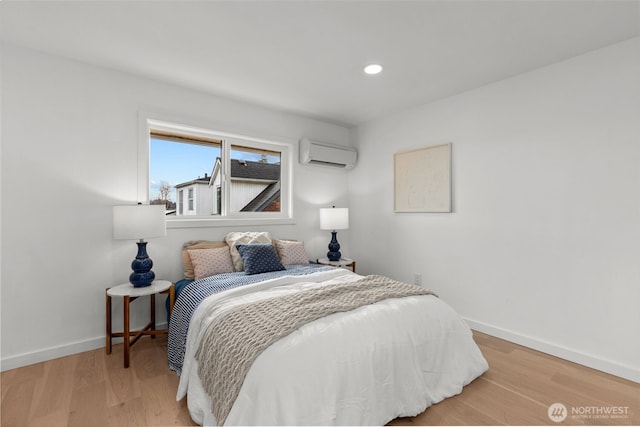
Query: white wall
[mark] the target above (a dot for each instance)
(69, 152)
(543, 246)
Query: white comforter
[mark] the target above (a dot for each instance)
(364, 367)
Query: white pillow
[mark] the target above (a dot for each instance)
(291, 252)
(207, 262)
(244, 237)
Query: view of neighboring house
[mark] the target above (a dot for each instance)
(255, 187)
(194, 197)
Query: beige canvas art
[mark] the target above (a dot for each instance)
(423, 179)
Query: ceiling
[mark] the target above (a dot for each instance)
(306, 57)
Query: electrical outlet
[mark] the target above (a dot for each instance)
(417, 279)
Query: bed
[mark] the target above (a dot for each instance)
(364, 365)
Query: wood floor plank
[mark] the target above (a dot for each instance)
(16, 403)
(600, 391)
(149, 361)
(532, 378)
(52, 395)
(94, 389)
(452, 412)
(122, 384)
(129, 413)
(31, 373)
(504, 406)
(159, 395)
(88, 404)
(89, 369)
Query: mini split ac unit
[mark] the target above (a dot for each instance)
(323, 154)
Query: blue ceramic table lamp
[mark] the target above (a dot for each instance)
(140, 222)
(334, 219)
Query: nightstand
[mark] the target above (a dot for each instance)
(344, 263)
(129, 294)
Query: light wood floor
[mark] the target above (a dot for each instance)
(93, 389)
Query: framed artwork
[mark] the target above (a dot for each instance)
(422, 179)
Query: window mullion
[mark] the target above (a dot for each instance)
(226, 176)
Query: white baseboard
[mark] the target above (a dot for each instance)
(619, 370)
(51, 353)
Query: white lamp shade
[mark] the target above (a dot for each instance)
(139, 221)
(334, 218)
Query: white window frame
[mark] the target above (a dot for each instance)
(148, 121)
(190, 198)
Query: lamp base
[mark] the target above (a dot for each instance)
(142, 275)
(334, 248)
(141, 280)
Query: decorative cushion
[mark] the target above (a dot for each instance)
(187, 265)
(244, 237)
(291, 252)
(259, 258)
(207, 262)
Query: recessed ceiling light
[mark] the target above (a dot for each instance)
(373, 69)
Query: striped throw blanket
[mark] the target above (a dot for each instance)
(193, 294)
(231, 343)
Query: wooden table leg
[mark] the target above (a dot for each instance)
(172, 297)
(108, 346)
(126, 331)
(153, 314)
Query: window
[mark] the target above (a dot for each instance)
(213, 176)
(191, 200)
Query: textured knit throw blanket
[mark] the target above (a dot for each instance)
(232, 342)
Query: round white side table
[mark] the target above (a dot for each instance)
(129, 294)
(343, 262)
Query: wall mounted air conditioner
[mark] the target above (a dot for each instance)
(323, 154)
